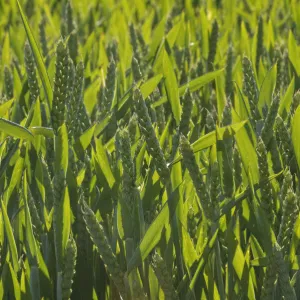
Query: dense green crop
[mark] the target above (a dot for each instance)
(149, 149)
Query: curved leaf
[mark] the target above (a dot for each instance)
(44, 131)
(210, 138)
(6, 106)
(193, 85)
(15, 130)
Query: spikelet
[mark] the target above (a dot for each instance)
(275, 155)
(210, 122)
(285, 288)
(132, 128)
(284, 139)
(87, 177)
(17, 65)
(186, 113)
(267, 130)
(69, 111)
(266, 188)
(134, 41)
(60, 93)
(147, 130)
(110, 84)
(290, 212)
(200, 68)
(296, 102)
(184, 122)
(265, 110)
(8, 83)
(82, 233)
(163, 276)
(50, 155)
(191, 223)
(71, 104)
(213, 40)
(71, 31)
(238, 179)
(31, 74)
(169, 23)
(100, 240)
(259, 44)
(35, 217)
(151, 110)
(69, 268)
(227, 155)
(286, 185)
(152, 212)
(83, 121)
(278, 60)
(136, 71)
(215, 188)
(285, 70)
(139, 146)
(71, 78)
(129, 196)
(128, 176)
(29, 8)
(184, 75)
(160, 112)
(69, 16)
(193, 73)
(142, 43)
(47, 184)
(269, 279)
(175, 144)
(189, 161)
(179, 57)
(187, 57)
(64, 22)
(112, 50)
(72, 162)
(228, 79)
(43, 39)
(250, 87)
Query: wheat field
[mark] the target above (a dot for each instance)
(149, 149)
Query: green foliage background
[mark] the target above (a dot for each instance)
(149, 149)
